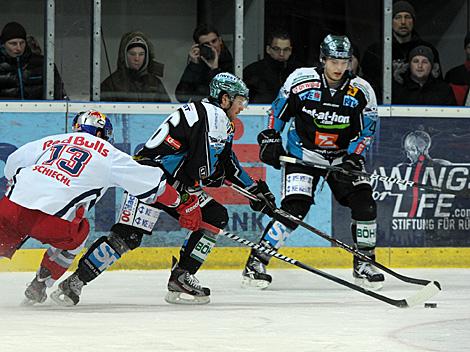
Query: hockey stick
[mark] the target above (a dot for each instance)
(280, 215)
(418, 298)
(398, 181)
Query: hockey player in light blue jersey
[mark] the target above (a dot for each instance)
(334, 120)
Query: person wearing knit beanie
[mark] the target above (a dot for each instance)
(422, 50)
(137, 54)
(13, 38)
(137, 75)
(403, 21)
(403, 6)
(421, 61)
(13, 30)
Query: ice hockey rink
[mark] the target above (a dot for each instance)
(125, 311)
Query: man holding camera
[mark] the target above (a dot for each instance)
(206, 58)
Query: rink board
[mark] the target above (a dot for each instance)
(148, 258)
(404, 245)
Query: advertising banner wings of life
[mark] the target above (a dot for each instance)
(429, 151)
(130, 132)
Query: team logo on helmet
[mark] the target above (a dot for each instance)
(230, 84)
(91, 122)
(336, 46)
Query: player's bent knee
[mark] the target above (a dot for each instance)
(105, 251)
(363, 206)
(216, 215)
(124, 242)
(297, 207)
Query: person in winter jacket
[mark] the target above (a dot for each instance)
(21, 70)
(418, 86)
(404, 39)
(137, 75)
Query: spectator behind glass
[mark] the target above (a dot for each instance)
(136, 77)
(404, 38)
(194, 83)
(418, 86)
(21, 70)
(459, 77)
(264, 78)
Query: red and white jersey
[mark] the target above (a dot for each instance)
(58, 174)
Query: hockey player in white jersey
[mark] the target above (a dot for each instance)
(55, 180)
(334, 119)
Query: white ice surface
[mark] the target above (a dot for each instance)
(125, 311)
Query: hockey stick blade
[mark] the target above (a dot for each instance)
(418, 298)
(427, 292)
(464, 193)
(279, 213)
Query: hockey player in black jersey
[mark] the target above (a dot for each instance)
(334, 119)
(194, 148)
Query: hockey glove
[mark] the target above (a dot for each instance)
(190, 215)
(271, 148)
(351, 162)
(216, 179)
(266, 201)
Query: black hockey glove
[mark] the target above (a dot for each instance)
(271, 149)
(266, 201)
(351, 162)
(216, 179)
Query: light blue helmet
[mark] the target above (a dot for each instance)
(92, 121)
(228, 83)
(336, 47)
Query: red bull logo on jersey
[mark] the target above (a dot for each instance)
(81, 141)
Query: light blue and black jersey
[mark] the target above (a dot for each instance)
(194, 144)
(328, 122)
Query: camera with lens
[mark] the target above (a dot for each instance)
(206, 52)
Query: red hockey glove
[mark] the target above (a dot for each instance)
(190, 212)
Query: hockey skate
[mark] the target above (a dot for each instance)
(36, 290)
(367, 276)
(254, 275)
(68, 292)
(184, 288)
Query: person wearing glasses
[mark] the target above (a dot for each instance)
(207, 57)
(265, 77)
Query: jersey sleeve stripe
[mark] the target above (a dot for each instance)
(77, 199)
(149, 193)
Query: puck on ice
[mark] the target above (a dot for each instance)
(430, 305)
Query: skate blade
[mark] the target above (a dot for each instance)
(173, 297)
(254, 284)
(60, 299)
(369, 285)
